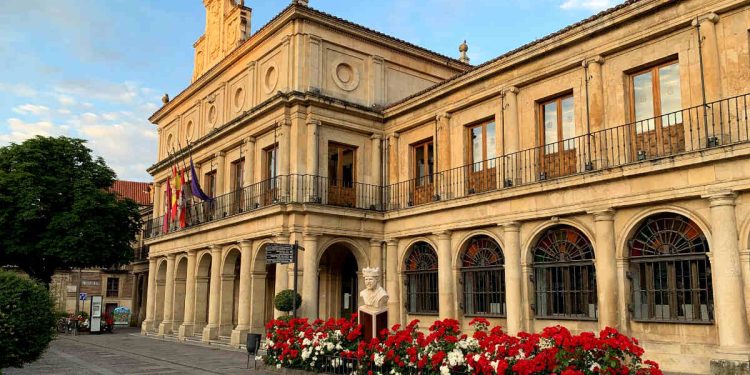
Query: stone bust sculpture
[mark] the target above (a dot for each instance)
(373, 295)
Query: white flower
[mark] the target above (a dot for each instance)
(455, 357)
(379, 359)
(278, 365)
(444, 370)
(594, 367)
(476, 357)
(545, 343)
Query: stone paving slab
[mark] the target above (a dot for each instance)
(127, 352)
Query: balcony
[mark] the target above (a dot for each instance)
(698, 128)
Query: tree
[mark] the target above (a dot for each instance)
(283, 301)
(56, 211)
(27, 319)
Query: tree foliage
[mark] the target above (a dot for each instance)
(56, 211)
(27, 319)
(283, 300)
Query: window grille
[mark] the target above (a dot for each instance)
(670, 272)
(564, 275)
(483, 278)
(421, 270)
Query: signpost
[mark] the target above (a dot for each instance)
(282, 253)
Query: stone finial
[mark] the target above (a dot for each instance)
(165, 98)
(300, 2)
(463, 48)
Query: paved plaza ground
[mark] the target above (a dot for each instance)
(126, 352)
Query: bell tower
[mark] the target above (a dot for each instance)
(227, 26)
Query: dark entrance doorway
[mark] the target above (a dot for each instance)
(338, 281)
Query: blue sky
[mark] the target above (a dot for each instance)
(96, 69)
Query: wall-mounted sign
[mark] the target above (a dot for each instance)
(279, 253)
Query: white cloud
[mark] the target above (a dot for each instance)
(18, 89)
(32, 109)
(586, 4)
(120, 93)
(20, 130)
(66, 100)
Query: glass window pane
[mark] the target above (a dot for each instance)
(643, 101)
(550, 127)
(491, 141)
(669, 89)
(333, 165)
(430, 161)
(476, 147)
(348, 167)
(568, 123)
(420, 164)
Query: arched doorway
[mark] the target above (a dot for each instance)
(180, 277)
(338, 282)
(161, 284)
(202, 291)
(230, 289)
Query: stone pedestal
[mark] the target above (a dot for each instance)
(373, 320)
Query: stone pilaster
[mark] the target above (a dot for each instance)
(513, 280)
(310, 276)
(247, 176)
(166, 324)
(220, 188)
(596, 93)
(211, 331)
(148, 323)
(239, 333)
(392, 278)
(711, 56)
(394, 156)
(282, 273)
(510, 139)
(188, 324)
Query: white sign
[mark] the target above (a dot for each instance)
(96, 314)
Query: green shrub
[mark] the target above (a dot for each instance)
(283, 300)
(27, 319)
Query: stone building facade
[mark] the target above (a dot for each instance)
(596, 177)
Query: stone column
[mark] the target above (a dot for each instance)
(606, 268)
(446, 297)
(731, 315)
(393, 174)
(282, 273)
(309, 306)
(623, 296)
(443, 144)
(188, 322)
(711, 56)
(220, 188)
(392, 278)
(239, 333)
(247, 176)
(284, 157)
(513, 280)
(148, 323)
(211, 331)
(166, 324)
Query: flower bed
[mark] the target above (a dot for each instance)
(337, 346)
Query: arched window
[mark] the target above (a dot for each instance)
(483, 277)
(669, 269)
(564, 275)
(421, 270)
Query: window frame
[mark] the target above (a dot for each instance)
(209, 179)
(567, 268)
(655, 95)
(341, 148)
(561, 141)
(485, 272)
(470, 150)
(113, 292)
(428, 178)
(422, 277)
(643, 267)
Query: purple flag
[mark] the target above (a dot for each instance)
(195, 186)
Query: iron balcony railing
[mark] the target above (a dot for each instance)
(698, 128)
